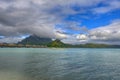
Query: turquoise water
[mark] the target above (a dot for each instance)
(59, 64)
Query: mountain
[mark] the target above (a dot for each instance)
(35, 40)
(57, 43)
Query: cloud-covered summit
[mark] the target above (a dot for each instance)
(42, 17)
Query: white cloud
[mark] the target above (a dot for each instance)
(110, 6)
(60, 35)
(10, 40)
(109, 34)
(76, 39)
(81, 37)
(19, 17)
(36, 14)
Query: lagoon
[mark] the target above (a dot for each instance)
(59, 64)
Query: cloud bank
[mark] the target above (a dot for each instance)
(39, 17)
(109, 34)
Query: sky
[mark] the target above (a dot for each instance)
(71, 21)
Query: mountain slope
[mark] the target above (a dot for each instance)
(56, 43)
(35, 40)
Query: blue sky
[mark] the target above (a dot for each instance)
(94, 20)
(72, 21)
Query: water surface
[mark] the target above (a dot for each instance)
(59, 64)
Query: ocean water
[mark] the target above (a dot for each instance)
(59, 64)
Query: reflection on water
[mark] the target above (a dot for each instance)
(59, 64)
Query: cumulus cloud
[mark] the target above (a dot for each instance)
(81, 37)
(71, 26)
(76, 39)
(109, 34)
(39, 17)
(19, 17)
(109, 6)
(24, 17)
(10, 39)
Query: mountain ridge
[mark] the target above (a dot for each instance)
(35, 40)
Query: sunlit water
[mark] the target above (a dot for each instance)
(59, 64)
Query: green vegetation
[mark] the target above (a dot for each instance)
(56, 43)
(91, 45)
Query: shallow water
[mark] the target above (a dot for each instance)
(59, 64)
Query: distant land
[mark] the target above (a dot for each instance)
(37, 42)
